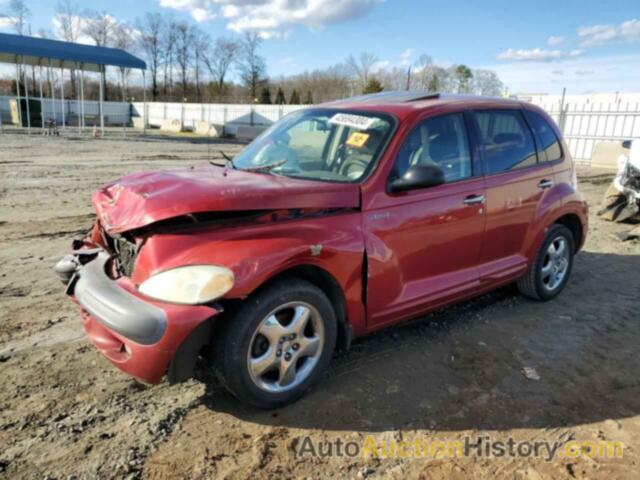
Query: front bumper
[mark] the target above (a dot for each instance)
(138, 335)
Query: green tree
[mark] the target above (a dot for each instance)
(265, 96)
(373, 86)
(464, 75)
(434, 84)
(295, 98)
(309, 99)
(280, 100)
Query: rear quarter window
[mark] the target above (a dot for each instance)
(548, 143)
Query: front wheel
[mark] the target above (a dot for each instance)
(277, 344)
(550, 271)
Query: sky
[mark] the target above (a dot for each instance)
(535, 47)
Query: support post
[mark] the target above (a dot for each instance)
(52, 91)
(562, 118)
(124, 125)
(101, 102)
(62, 100)
(144, 103)
(41, 96)
(26, 93)
(78, 103)
(19, 95)
(82, 96)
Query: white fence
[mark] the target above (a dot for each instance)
(190, 114)
(586, 124)
(584, 120)
(116, 113)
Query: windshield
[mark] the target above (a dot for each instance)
(319, 144)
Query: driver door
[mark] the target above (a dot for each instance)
(423, 246)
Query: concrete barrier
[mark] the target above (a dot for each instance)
(208, 129)
(137, 123)
(605, 154)
(171, 125)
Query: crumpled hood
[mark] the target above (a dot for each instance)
(141, 199)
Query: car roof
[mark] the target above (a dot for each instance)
(402, 103)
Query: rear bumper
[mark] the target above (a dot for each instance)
(138, 335)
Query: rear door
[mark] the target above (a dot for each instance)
(515, 184)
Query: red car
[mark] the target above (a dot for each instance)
(339, 220)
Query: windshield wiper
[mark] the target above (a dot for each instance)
(265, 168)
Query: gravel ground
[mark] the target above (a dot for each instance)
(65, 412)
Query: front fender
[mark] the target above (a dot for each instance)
(257, 253)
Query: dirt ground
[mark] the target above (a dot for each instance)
(66, 413)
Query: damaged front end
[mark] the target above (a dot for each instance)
(143, 337)
(621, 202)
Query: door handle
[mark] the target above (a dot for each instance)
(474, 200)
(545, 184)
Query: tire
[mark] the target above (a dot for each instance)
(543, 284)
(260, 334)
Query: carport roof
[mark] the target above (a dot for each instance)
(38, 51)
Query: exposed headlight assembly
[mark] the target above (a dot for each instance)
(192, 285)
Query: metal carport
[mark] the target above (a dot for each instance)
(23, 50)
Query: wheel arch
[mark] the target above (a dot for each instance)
(573, 223)
(326, 282)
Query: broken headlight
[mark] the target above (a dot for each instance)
(193, 285)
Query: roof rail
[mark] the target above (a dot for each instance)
(430, 96)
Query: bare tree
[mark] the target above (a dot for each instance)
(223, 55)
(69, 28)
(169, 50)
(486, 82)
(100, 27)
(184, 46)
(362, 66)
(201, 45)
(123, 39)
(151, 30)
(252, 66)
(69, 21)
(19, 14)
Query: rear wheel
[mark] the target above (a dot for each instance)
(277, 344)
(549, 273)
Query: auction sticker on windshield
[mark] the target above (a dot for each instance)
(357, 139)
(359, 122)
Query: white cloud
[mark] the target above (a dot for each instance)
(554, 41)
(202, 15)
(578, 75)
(380, 65)
(287, 61)
(5, 22)
(405, 57)
(596, 35)
(273, 18)
(538, 55)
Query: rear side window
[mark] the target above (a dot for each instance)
(548, 143)
(506, 142)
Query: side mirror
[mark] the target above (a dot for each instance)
(627, 144)
(418, 176)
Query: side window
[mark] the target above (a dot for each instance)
(441, 141)
(548, 143)
(506, 142)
